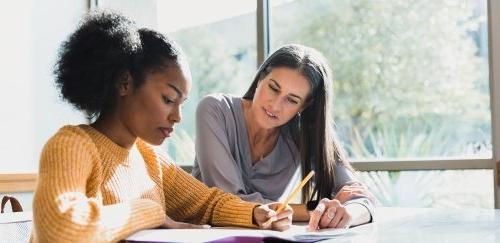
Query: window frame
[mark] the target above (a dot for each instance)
(493, 10)
(263, 36)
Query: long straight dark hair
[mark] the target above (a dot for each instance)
(312, 130)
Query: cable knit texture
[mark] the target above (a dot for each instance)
(92, 190)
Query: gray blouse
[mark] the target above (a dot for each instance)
(223, 156)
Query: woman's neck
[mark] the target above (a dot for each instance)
(261, 140)
(115, 130)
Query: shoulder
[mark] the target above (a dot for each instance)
(71, 146)
(69, 136)
(219, 101)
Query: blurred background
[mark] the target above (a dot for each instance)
(411, 86)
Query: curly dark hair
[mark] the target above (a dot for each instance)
(96, 56)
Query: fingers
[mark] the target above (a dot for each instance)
(282, 225)
(341, 213)
(268, 218)
(316, 215)
(274, 206)
(271, 214)
(348, 192)
(327, 217)
(344, 223)
(329, 214)
(284, 221)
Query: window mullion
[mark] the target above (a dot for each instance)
(494, 61)
(263, 34)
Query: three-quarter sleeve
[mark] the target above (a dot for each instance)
(343, 177)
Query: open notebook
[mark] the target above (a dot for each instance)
(295, 233)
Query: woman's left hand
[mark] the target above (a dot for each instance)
(348, 192)
(329, 214)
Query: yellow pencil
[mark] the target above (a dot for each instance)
(292, 195)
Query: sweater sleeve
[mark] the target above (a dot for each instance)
(189, 200)
(346, 177)
(215, 164)
(62, 211)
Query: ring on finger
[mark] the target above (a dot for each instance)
(330, 214)
(320, 208)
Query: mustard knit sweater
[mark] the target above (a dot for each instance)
(92, 190)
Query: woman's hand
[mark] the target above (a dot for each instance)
(172, 224)
(348, 192)
(266, 218)
(329, 214)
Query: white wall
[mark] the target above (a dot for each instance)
(30, 108)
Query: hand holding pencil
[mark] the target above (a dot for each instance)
(266, 217)
(281, 219)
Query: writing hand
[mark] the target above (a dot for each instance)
(265, 217)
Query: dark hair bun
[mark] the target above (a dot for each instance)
(93, 58)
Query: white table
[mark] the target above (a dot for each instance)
(392, 225)
(428, 225)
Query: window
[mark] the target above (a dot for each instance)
(222, 60)
(411, 77)
(412, 87)
(411, 83)
(431, 188)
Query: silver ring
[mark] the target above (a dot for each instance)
(330, 214)
(320, 208)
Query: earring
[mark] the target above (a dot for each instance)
(298, 114)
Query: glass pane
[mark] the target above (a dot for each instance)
(411, 77)
(431, 188)
(221, 59)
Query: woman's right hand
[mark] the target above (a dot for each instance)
(172, 224)
(348, 192)
(265, 217)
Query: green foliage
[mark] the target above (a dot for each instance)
(396, 63)
(411, 81)
(401, 69)
(403, 139)
(218, 65)
(440, 189)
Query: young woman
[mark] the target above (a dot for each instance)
(103, 181)
(256, 146)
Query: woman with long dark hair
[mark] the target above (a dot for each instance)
(256, 146)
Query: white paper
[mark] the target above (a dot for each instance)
(295, 233)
